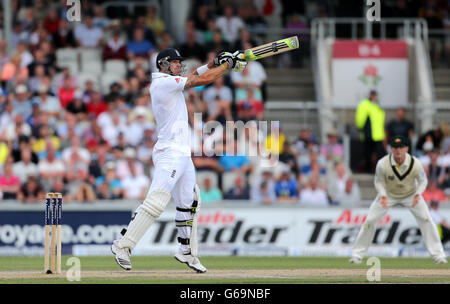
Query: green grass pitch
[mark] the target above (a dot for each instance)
(226, 270)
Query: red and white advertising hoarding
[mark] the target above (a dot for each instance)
(361, 65)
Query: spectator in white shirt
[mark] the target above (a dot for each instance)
(25, 167)
(230, 24)
(47, 103)
(111, 132)
(128, 163)
(87, 35)
(312, 195)
(50, 168)
(135, 185)
(75, 147)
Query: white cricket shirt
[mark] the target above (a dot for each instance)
(170, 111)
(400, 181)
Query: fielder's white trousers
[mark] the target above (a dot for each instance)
(420, 211)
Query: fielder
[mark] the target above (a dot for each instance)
(174, 175)
(399, 180)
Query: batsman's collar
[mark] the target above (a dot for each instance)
(398, 141)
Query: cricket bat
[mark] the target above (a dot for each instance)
(272, 48)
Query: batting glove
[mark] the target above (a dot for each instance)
(222, 58)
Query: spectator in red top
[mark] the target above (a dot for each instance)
(9, 183)
(433, 193)
(52, 21)
(96, 105)
(66, 92)
(115, 48)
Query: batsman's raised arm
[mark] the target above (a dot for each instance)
(216, 68)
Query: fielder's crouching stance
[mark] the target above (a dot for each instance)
(174, 175)
(400, 180)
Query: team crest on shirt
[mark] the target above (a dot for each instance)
(391, 177)
(177, 80)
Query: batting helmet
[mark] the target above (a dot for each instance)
(165, 56)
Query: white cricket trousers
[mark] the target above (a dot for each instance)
(420, 211)
(175, 174)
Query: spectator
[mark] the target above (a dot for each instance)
(77, 107)
(139, 46)
(312, 195)
(350, 195)
(230, 24)
(239, 191)
(23, 144)
(252, 77)
(135, 129)
(332, 150)
(435, 135)
(66, 93)
(153, 22)
(96, 106)
(64, 36)
(244, 40)
(115, 48)
(69, 129)
(22, 103)
(88, 36)
(250, 102)
(83, 154)
(286, 188)
(313, 167)
(25, 167)
(40, 145)
(217, 89)
(111, 132)
(218, 43)
(51, 22)
(129, 161)
(135, 185)
(442, 226)
(274, 142)
(401, 126)
(434, 170)
(50, 168)
(289, 158)
(16, 128)
(263, 187)
(9, 182)
(208, 33)
(6, 117)
(145, 149)
(208, 193)
(59, 187)
(191, 48)
(99, 20)
(304, 139)
(369, 119)
(40, 78)
(47, 103)
(433, 193)
(232, 161)
(31, 191)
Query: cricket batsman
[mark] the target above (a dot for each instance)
(399, 180)
(174, 175)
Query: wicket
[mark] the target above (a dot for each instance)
(53, 217)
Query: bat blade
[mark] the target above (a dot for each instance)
(272, 48)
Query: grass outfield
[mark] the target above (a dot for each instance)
(165, 270)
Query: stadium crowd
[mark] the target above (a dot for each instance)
(75, 111)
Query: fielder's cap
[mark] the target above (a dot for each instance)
(21, 88)
(398, 141)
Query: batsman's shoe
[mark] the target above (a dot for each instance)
(355, 260)
(190, 260)
(441, 261)
(122, 255)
